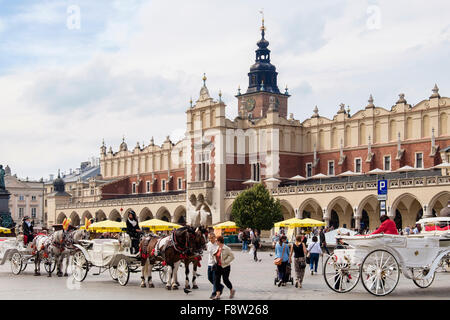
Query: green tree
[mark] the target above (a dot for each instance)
(256, 208)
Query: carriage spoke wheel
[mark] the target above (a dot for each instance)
(340, 276)
(113, 272)
(24, 266)
(79, 266)
(418, 277)
(49, 265)
(16, 263)
(380, 272)
(123, 272)
(163, 274)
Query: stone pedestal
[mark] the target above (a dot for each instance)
(5, 216)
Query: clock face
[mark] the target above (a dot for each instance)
(249, 104)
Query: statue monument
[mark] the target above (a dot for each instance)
(5, 216)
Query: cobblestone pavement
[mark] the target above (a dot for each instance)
(252, 280)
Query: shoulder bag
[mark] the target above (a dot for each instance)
(279, 261)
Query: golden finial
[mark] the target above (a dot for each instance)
(220, 95)
(262, 14)
(204, 79)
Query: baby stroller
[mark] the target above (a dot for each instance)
(288, 273)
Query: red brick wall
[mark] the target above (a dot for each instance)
(262, 103)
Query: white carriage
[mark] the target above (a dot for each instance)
(112, 255)
(379, 259)
(19, 255)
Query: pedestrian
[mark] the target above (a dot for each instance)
(323, 242)
(275, 239)
(298, 249)
(245, 240)
(256, 242)
(211, 247)
(387, 226)
(282, 252)
(223, 257)
(314, 253)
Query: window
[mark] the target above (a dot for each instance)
(256, 172)
(92, 191)
(331, 168)
(148, 186)
(163, 185)
(21, 211)
(387, 163)
(202, 161)
(79, 193)
(309, 169)
(419, 160)
(133, 187)
(180, 183)
(358, 162)
(21, 197)
(33, 198)
(33, 212)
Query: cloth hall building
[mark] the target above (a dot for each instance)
(326, 169)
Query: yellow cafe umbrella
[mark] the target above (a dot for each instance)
(106, 226)
(312, 223)
(291, 223)
(158, 225)
(226, 225)
(4, 230)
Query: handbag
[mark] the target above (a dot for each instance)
(279, 261)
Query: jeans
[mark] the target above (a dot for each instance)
(255, 251)
(314, 257)
(225, 273)
(244, 245)
(212, 279)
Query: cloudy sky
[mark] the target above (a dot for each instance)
(74, 72)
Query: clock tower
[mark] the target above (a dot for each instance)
(262, 85)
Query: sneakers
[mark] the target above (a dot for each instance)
(312, 272)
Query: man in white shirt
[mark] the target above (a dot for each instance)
(211, 247)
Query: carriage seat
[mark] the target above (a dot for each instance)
(104, 245)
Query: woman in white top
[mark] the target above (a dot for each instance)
(314, 251)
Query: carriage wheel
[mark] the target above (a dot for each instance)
(340, 277)
(419, 275)
(113, 273)
(16, 263)
(380, 272)
(123, 272)
(49, 265)
(163, 274)
(24, 266)
(80, 266)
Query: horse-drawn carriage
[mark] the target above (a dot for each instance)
(113, 255)
(379, 259)
(20, 255)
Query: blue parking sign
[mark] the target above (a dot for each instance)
(382, 187)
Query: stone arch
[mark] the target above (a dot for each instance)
(392, 130)
(406, 209)
(438, 202)
(377, 132)
(321, 144)
(163, 214)
(426, 132)
(179, 215)
(409, 128)
(100, 216)
(287, 210)
(114, 215)
(368, 211)
(334, 138)
(348, 136)
(228, 216)
(310, 208)
(75, 219)
(87, 215)
(61, 217)
(145, 214)
(362, 134)
(125, 214)
(343, 209)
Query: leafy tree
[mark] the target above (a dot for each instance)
(256, 208)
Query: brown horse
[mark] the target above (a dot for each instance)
(170, 251)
